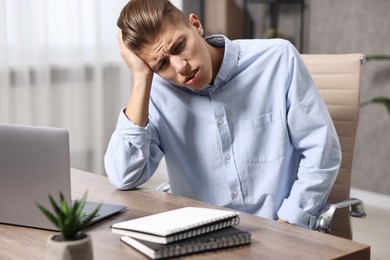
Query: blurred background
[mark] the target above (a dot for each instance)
(60, 66)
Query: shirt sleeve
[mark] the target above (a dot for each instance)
(313, 134)
(132, 155)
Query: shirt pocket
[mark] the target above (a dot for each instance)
(265, 138)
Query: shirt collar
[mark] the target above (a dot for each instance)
(228, 66)
(230, 57)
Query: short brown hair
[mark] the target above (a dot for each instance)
(141, 20)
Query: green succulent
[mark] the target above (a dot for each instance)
(69, 219)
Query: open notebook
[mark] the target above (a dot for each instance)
(35, 162)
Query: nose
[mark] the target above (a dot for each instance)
(178, 64)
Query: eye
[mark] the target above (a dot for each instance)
(163, 64)
(178, 47)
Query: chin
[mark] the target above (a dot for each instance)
(202, 85)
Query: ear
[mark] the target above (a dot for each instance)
(194, 21)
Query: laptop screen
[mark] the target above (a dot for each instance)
(35, 162)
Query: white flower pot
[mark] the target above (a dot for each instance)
(69, 250)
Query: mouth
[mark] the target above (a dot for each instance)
(192, 77)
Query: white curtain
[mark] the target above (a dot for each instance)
(60, 66)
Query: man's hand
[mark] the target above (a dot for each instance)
(132, 60)
(137, 106)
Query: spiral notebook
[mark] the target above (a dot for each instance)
(219, 239)
(178, 224)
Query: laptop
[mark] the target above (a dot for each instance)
(35, 162)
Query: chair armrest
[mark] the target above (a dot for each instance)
(324, 222)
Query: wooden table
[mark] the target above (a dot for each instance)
(270, 239)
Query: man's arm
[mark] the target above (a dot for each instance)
(313, 134)
(138, 104)
(128, 159)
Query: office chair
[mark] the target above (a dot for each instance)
(338, 80)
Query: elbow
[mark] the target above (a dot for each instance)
(115, 181)
(117, 178)
(120, 184)
(121, 179)
(115, 174)
(123, 175)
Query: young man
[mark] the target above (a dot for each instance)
(240, 123)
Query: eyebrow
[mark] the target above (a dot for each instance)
(170, 50)
(175, 44)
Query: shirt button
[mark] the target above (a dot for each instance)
(235, 193)
(220, 122)
(227, 157)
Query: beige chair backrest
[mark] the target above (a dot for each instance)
(338, 79)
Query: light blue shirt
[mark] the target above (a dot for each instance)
(260, 140)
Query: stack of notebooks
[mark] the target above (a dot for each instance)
(182, 231)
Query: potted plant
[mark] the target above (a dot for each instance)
(72, 243)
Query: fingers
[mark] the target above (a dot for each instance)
(132, 60)
(121, 44)
(119, 36)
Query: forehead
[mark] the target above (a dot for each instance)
(160, 44)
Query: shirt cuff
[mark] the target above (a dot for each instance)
(293, 214)
(133, 133)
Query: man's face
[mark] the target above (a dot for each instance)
(180, 55)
